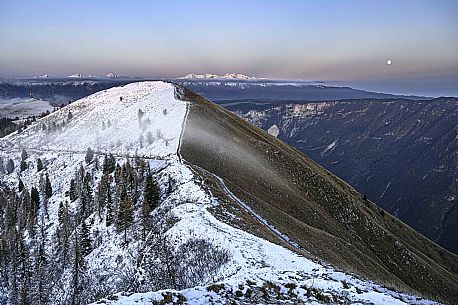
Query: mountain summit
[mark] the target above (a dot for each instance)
(149, 192)
(215, 76)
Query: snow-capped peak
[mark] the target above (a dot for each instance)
(215, 76)
(112, 75)
(76, 75)
(42, 76)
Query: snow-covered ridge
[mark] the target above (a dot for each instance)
(143, 118)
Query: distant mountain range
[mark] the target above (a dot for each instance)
(223, 89)
(58, 90)
(215, 76)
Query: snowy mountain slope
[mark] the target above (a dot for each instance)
(178, 245)
(109, 121)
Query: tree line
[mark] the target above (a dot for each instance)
(45, 260)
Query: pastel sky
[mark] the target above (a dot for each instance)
(344, 41)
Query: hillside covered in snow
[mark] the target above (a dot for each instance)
(100, 203)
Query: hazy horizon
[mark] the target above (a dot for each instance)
(348, 42)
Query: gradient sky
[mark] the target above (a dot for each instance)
(344, 41)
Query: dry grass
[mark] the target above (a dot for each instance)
(314, 208)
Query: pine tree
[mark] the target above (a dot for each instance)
(48, 188)
(151, 193)
(109, 216)
(146, 211)
(89, 155)
(23, 270)
(33, 205)
(72, 192)
(24, 274)
(40, 279)
(140, 114)
(10, 166)
(109, 164)
(24, 155)
(125, 215)
(85, 239)
(96, 163)
(2, 166)
(23, 166)
(105, 165)
(39, 165)
(24, 207)
(102, 189)
(21, 185)
(35, 196)
(170, 185)
(63, 232)
(87, 194)
(76, 270)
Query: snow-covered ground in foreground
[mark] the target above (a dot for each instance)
(254, 263)
(109, 121)
(23, 107)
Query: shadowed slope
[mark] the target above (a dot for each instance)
(312, 207)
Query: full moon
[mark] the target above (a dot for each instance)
(388, 62)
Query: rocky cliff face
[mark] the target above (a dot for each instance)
(402, 154)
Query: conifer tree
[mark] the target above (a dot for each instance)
(2, 166)
(76, 269)
(40, 279)
(170, 185)
(111, 164)
(109, 215)
(85, 239)
(87, 194)
(35, 196)
(21, 185)
(151, 193)
(24, 155)
(125, 215)
(48, 187)
(72, 192)
(39, 165)
(63, 232)
(23, 165)
(10, 166)
(24, 274)
(146, 211)
(89, 155)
